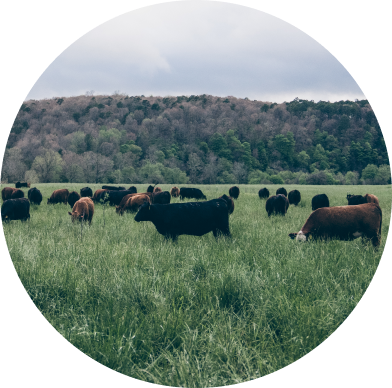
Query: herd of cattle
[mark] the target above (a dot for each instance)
(362, 217)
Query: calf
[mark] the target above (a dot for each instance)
(161, 198)
(234, 192)
(86, 192)
(319, 201)
(355, 199)
(7, 192)
(277, 204)
(294, 197)
(83, 210)
(134, 202)
(192, 218)
(59, 196)
(343, 223)
(175, 192)
(17, 193)
(188, 192)
(229, 201)
(73, 197)
(263, 193)
(281, 190)
(34, 196)
(15, 209)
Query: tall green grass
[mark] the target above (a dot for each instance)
(200, 312)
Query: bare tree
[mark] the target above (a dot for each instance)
(48, 166)
(96, 166)
(13, 168)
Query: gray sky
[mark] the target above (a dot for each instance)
(186, 48)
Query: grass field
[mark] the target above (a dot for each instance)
(200, 312)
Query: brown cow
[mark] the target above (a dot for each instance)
(7, 192)
(157, 190)
(59, 196)
(344, 223)
(97, 195)
(175, 192)
(125, 199)
(134, 202)
(371, 198)
(17, 193)
(83, 210)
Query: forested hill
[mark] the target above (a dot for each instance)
(195, 139)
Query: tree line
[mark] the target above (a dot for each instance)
(195, 139)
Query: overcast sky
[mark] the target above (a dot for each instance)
(186, 48)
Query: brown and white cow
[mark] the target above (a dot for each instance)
(343, 223)
(83, 210)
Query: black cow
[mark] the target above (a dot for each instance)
(263, 193)
(150, 189)
(86, 192)
(320, 200)
(73, 197)
(234, 192)
(356, 199)
(113, 188)
(114, 196)
(192, 218)
(15, 209)
(18, 184)
(277, 204)
(34, 196)
(294, 197)
(281, 190)
(162, 198)
(17, 193)
(133, 188)
(188, 192)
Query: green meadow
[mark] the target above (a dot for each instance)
(200, 312)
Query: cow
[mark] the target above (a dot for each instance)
(98, 195)
(59, 196)
(134, 202)
(263, 193)
(234, 192)
(355, 199)
(125, 200)
(73, 197)
(175, 192)
(150, 189)
(161, 198)
(17, 193)
(132, 188)
(188, 192)
(86, 192)
(34, 196)
(229, 201)
(15, 209)
(114, 197)
(294, 197)
(281, 190)
(343, 223)
(319, 201)
(157, 190)
(83, 210)
(113, 188)
(18, 184)
(192, 218)
(7, 192)
(371, 198)
(277, 204)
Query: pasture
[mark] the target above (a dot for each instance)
(199, 312)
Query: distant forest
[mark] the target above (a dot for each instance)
(195, 139)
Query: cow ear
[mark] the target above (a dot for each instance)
(293, 235)
(70, 213)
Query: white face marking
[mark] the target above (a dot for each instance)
(357, 234)
(300, 236)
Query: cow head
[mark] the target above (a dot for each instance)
(300, 236)
(76, 216)
(144, 213)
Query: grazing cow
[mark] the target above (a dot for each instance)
(320, 200)
(15, 209)
(157, 190)
(134, 202)
(17, 193)
(371, 198)
(277, 204)
(86, 192)
(113, 188)
(98, 195)
(59, 196)
(34, 196)
(355, 199)
(188, 192)
(7, 192)
(132, 188)
(234, 192)
(281, 190)
(125, 200)
(343, 223)
(161, 198)
(229, 201)
(192, 218)
(263, 193)
(73, 197)
(18, 184)
(83, 210)
(175, 192)
(294, 197)
(114, 197)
